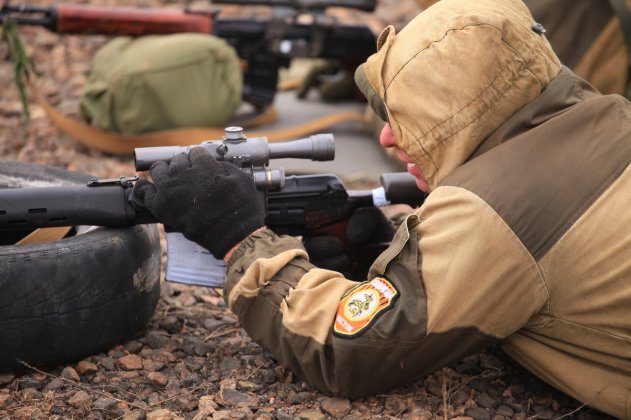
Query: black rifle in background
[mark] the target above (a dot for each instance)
(296, 28)
(299, 205)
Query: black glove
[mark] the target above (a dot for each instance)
(367, 225)
(213, 203)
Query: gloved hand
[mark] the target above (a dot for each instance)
(367, 225)
(212, 203)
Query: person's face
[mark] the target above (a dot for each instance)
(387, 140)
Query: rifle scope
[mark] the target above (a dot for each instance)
(243, 152)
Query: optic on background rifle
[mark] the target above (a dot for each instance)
(265, 45)
(305, 205)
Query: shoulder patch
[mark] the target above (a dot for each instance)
(363, 305)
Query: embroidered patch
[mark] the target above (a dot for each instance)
(363, 305)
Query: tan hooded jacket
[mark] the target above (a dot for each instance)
(523, 239)
(586, 36)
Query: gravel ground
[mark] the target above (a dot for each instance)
(194, 361)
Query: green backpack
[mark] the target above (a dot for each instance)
(161, 82)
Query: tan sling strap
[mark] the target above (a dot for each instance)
(39, 236)
(115, 143)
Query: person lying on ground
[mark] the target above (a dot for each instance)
(523, 238)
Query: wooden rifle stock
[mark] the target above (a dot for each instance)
(79, 19)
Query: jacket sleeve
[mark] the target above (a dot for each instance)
(454, 280)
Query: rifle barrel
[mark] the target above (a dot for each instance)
(364, 5)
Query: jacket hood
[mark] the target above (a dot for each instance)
(453, 75)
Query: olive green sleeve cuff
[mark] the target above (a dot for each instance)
(261, 244)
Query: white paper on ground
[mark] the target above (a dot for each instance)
(190, 263)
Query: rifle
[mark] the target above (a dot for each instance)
(299, 205)
(265, 45)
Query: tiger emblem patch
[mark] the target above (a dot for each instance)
(363, 305)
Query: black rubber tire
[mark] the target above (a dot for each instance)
(64, 300)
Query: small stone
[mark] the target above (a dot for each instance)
(283, 415)
(421, 414)
(311, 414)
(234, 398)
(108, 363)
(157, 379)
(26, 382)
(156, 340)
(164, 356)
(30, 394)
(39, 376)
(212, 324)
(228, 415)
(478, 413)
(6, 378)
(186, 404)
(226, 366)
(336, 407)
(133, 346)
(99, 378)
(55, 384)
(505, 411)
(162, 414)
(134, 415)
(294, 398)
(434, 389)
(5, 399)
(479, 385)
(485, 401)
(202, 349)
(207, 404)
(104, 404)
(249, 386)
(396, 405)
(71, 374)
(28, 413)
(117, 352)
(84, 367)
(153, 398)
(460, 397)
(130, 362)
(269, 376)
(171, 324)
(152, 365)
(80, 400)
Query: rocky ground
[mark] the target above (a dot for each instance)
(194, 361)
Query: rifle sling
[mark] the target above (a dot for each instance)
(42, 235)
(115, 143)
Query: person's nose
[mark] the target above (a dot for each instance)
(386, 139)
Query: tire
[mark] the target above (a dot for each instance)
(64, 300)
